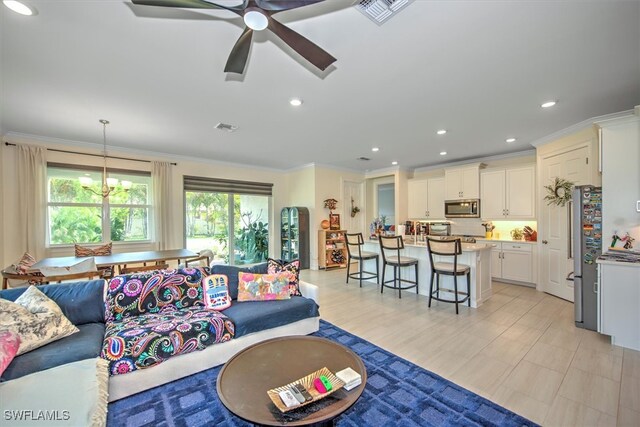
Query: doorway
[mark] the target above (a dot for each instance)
(555, 221)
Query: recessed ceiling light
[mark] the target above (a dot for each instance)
(511, 140)
(18, 7)
(441, 132)
(296, 102)
(443, 153)
(375, 149)
(394, 163)
(548, 104)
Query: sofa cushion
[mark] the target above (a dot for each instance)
(74, 394)
(231, 271)
(36, 318)
(81, 302)
(254, 316)
(138, 342)
(85, 344)
(131, 295)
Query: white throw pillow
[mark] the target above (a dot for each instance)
(35, 318)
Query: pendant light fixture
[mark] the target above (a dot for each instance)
(108, 184)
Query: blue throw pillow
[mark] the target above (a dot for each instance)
(231, 271)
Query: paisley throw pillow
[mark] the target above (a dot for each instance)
(279, 266)
(35, 318)
(263, 287)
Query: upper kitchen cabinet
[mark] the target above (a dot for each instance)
(417, 198)
(508, 193)
(426, 198)
(462, 182)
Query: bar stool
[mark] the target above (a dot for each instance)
(448, 248)
(354, 242)
(393, 244)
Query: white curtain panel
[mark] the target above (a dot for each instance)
(162, 197)
(32, 184)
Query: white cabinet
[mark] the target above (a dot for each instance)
(435, 198)
(512, 261)
(417, 198)
(508, 193)
(618, 302)
(426, 198)
(462, 183)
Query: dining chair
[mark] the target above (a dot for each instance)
(390, 247)
(355, 242)
(451, 247)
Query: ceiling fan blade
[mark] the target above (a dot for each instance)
(188, 4)
(280, 5)
(240, 53)
(305, 47)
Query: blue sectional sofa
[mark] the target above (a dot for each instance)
(84, 305)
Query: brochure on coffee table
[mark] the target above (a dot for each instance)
(307, 382)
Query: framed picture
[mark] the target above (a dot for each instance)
(334, 221)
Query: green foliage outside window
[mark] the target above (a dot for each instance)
(76, 214)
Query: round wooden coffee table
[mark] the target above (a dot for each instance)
(244, 380)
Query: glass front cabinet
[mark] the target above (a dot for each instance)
(294, 235)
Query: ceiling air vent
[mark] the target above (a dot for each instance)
(226, 127)
(364, 159)
(380, 11)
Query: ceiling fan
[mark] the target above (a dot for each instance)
(257, 15)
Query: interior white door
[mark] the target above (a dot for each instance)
(555, 223)
(353, 190)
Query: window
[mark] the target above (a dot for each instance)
(78, 215)
(233, 223)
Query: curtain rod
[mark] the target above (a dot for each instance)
(93, 155)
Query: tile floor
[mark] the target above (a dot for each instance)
(520, 349)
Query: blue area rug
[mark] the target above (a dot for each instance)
(397, 393)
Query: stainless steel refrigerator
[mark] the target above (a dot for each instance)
(586, 232)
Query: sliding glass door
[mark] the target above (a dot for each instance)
(234, 226)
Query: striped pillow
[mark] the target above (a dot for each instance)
(100, 250)
(24, 264)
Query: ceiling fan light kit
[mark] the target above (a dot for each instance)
(257, 16)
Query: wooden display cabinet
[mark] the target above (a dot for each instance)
(332, 249)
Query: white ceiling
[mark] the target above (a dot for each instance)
(480, 69)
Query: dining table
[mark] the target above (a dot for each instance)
(119, 259)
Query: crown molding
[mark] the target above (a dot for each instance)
(578, 127)
(514, 154)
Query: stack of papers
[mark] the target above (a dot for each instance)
(350, 377)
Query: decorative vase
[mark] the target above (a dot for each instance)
(325, 224)
(488, 234)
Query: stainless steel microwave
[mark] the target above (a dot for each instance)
(469, 208)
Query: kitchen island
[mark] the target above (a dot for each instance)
(475, 255)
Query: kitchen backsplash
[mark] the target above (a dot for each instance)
(473, 227)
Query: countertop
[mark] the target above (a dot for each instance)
(466, 247)
(621, 257)
(505, 240)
